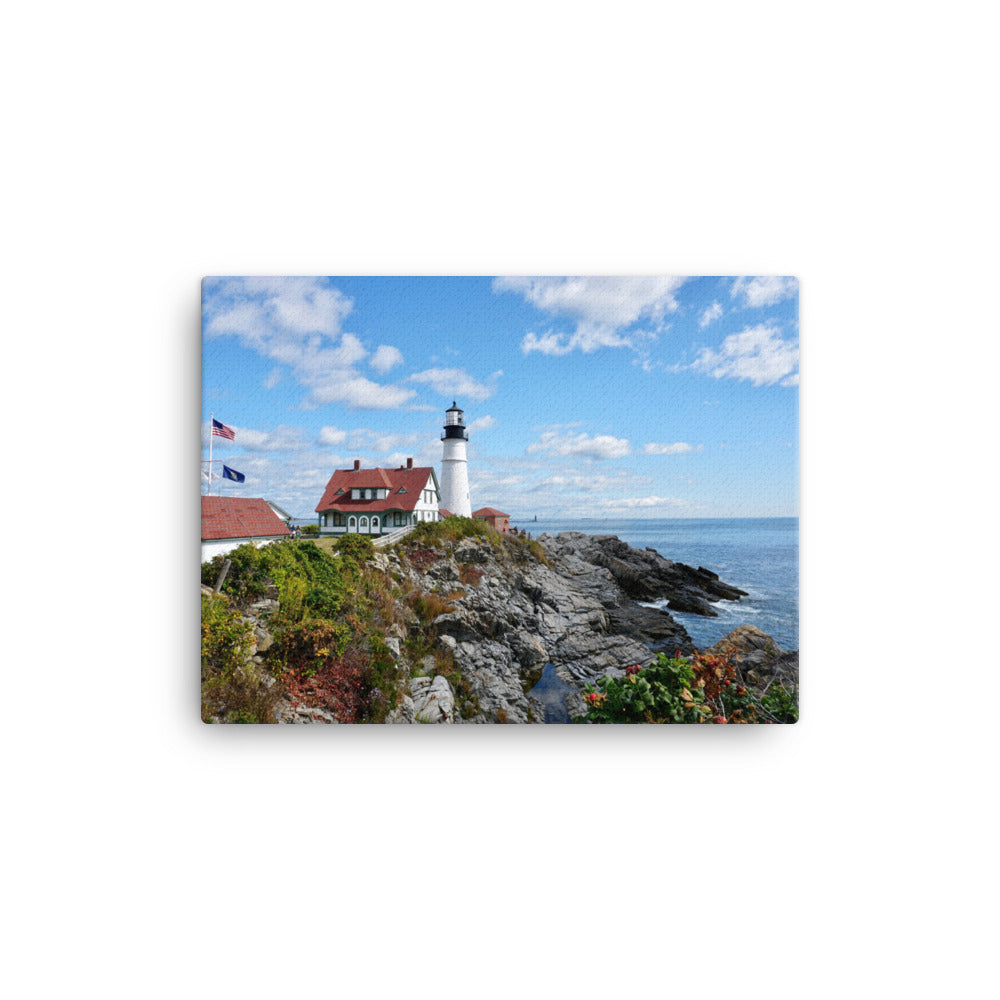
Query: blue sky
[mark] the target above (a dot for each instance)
(649, 396)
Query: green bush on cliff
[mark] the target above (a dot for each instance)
(451, 529)
(309, 582)
(231, 686)
(663, 692)
(329, 645)
(704, 688)
(358, 548)
(226, 638)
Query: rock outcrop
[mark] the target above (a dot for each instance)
(574, 609)
(762, 660)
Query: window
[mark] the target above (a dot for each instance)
(338, 519)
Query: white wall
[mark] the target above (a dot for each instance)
(220, 546)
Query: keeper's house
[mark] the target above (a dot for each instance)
(228, 522)
(378, 501)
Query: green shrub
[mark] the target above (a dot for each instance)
(309, 529)
(451, 529)
(359, 548)
(306, 647)
(663, 692)
(232, 687)
(781, 704)
(226, 639)
(707, 687)
(248, 574)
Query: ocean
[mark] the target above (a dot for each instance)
(758, 555)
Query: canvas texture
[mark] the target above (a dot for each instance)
(500, 500)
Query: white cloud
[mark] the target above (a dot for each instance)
(666, 449)
(603, 308)
(273, 378)
(355, 392)
(365, 439)
(632, 503)
(281, 438)
(756, 354)
(483, 423)
(553, 344)
(297, 322)
(260, 308)
(580, 445)
(713, 312)
(385, 358)
(764, 291)
(454, 383)
(332, 436)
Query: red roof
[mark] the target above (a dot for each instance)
(489, 512)
(239, 517)
(444, 512)
(410, 481)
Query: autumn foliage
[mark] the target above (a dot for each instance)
(702, 688)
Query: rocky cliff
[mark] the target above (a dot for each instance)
(496, 629)
(571, 614)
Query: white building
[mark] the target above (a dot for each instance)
(378, 501)
(455, 464)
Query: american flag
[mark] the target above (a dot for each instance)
(222, 430)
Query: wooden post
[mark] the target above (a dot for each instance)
(222, 575)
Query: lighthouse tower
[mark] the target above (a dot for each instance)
(455, 464)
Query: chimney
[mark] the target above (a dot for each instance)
(409, 463)
(357, 464)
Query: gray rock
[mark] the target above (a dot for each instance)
(263, 639)
(403, 713)
(471, 550)
(433, 699)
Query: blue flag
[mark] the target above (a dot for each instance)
(236, 477)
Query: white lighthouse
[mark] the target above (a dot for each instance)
(455, 464)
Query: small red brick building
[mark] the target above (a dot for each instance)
(494, 518)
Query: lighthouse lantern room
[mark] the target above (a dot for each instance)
(454, 464)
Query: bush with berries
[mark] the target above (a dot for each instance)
(701, 689)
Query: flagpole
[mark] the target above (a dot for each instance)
(211, 434)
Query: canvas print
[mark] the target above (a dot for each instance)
(499, 500)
